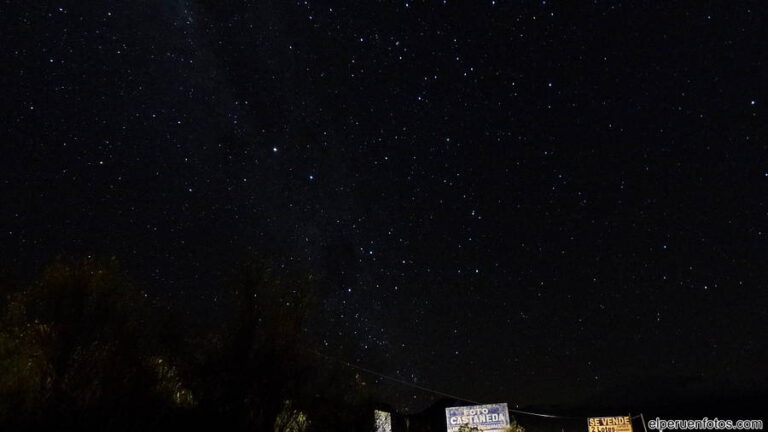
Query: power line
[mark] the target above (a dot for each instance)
(397, 380)
(438, 392)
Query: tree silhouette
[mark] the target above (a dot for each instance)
(76, 346)
(256, 364)
(82, 348)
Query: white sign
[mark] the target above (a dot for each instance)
(383, 421)
(494, 417)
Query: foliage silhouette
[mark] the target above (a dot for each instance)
(83, 348)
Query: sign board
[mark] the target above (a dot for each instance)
(494, 417)
(383, 421)
(609, 424)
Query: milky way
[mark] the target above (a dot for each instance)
(518, 201)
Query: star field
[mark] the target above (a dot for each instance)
(533, 202)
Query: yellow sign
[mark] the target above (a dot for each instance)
(610, 424)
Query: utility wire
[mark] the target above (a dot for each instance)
(438, 392)
(397, 380)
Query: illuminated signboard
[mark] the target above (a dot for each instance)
(609, 424)
(494, 417)
(383, 421)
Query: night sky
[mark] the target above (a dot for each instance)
(531, 202)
